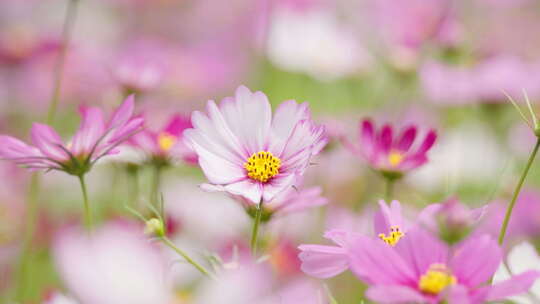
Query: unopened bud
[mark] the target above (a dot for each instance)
(154, 227)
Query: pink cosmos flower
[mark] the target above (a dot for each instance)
(323, 261)
(94, 140)
(168, 144)
(245, 151)
(141, 66)
(392, 155)
(421, 269)
(452, 219)
(115, 265)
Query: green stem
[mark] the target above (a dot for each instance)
(199, 267)
(133, 185)
(516, 192)
(67, 29)
(255, 232)
(87, 212)
(31, 221)
(154, 195)
(389, 189)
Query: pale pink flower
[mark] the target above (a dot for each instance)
(94, 139)
(245, 151)
(114, 265)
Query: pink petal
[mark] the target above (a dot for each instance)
(367, 137)
(377, 263)
(476, 260)
(247, 188)
(123, 113)
(420, 249)
(216, 168)
(429, 140)
(286, 117)
(216, 136)
(90, 131)
(249, 117)
(516, 285)
(385, 139)
(323, 261)
(177, 124)
(48, 141)
(392, 294)
(11, 147)
(407, 139)
(277, 185)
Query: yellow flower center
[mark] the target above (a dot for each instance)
(436, 279)
(166, 141)
(393, 237)
(262, 166)
(395, 158)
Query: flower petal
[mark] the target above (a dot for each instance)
(286, 117)
(516, 285)
(420, 250)
(48, 141)
(377, 263)
(323, 261)
(476, 260)
(407, 139)
(247, 188)
(393, 294)
(90, 131)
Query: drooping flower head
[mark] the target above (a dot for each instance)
(95, 139)
(245, 151)
(451, 219)
(390, 154)
(166, 145)
(422, 269)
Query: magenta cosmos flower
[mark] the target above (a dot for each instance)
(167, 144)
(94, 139)
(245, 151)
(392, 155)
(422, 269)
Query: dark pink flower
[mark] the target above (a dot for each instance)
(94, 139)
(390, 154)
(167, 145)
(422, 269)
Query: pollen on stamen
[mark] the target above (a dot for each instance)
(166, 141)
(436, 279)
(262, 166)
(393, 237)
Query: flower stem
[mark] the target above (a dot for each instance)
(517, 191)
(199, 267)
(389, 189)
(67, 29)
(154, 195)
(31, 221)
(87, 212)
(255, 232)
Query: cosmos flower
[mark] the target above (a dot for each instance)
(421, 269)
(94, 140)
(391, 155)
(245, 151)
(324, 261)
(115, 265)
(166, 145)
(452, 219)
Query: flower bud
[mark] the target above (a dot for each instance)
(154, 227)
